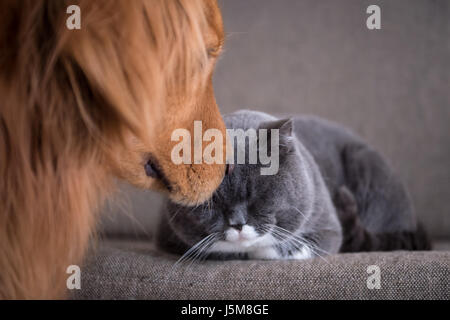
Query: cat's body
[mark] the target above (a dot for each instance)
(325, 172)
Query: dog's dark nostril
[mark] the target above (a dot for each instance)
(151, 170)
(229, 169)
(237, 226)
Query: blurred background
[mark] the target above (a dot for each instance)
(391, 86)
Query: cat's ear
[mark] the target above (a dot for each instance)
(286, 126)
(286, 130)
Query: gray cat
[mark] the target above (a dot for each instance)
(332, 193)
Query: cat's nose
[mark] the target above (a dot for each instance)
(237, 217)
(237, 226)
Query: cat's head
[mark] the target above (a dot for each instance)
(247, 207)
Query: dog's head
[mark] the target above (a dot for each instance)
(118, 87)
(186, 38)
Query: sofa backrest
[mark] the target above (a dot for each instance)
(391, 86)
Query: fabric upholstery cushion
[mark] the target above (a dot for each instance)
(133, 270)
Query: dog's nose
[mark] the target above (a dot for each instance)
(237, 226)
(153, 170)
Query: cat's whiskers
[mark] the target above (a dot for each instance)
(214, 225)
(201, 252)
(302, 214)
(298, 236)
(299, 245)
(284, 239)
(306, 219)
(287, 238)
(210, 204)
(176, 213)
(196, 249)
(301, 240)
(188, 254)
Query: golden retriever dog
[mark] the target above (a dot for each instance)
(80, 107)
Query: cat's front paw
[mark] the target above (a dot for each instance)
(271, 253)
(304, 253)
(266, 253)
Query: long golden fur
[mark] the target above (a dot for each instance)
(79, 107)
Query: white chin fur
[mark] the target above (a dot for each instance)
(244, 241)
